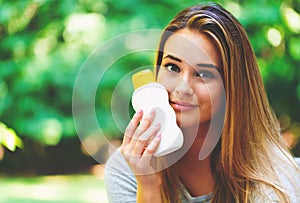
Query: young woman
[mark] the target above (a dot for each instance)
(210, 74)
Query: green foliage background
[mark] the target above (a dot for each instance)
(43, 44)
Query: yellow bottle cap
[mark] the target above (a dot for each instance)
(142, 78)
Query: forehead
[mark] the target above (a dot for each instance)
(192, 47)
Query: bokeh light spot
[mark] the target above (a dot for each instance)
(274, 37)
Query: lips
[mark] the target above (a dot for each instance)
(182, 106)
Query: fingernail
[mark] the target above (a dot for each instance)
(157, 125)
(139, 111)
(158, 136)
(152, 112)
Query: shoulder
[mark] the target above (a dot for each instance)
(288, 173)
(289, 176)
(116, 163)
(297, 160)
(284, 174)
(119, 180)
(117, 169)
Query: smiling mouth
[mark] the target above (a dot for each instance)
(182, 106)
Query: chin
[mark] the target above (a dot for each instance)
(186, 119)
(187, 123)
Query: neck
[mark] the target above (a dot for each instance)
(195, 174)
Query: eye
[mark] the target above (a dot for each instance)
(204, 74)
(172, 67)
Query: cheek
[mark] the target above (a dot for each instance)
(203, 94)
(216, 97)
(166, 81)
(210, 96)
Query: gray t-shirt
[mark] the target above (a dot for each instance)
(121, 184)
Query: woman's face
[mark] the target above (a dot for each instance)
(190, 73)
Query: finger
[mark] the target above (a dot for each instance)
(151, 148)
(145, 138)
(145, 123)
(131, 147)
(130, 129)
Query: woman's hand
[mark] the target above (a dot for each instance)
(141, 139)
(140, 142)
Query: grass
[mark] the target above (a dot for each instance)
(53, 189)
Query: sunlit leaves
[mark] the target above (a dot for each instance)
(17, 21)
(9, 138)
(291, 17)
(84, 29)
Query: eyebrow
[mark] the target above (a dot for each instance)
(173, 57)
(208, 65)
(205, 65)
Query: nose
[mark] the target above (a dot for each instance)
(183, 87)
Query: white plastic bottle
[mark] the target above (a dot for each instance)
(150, 95)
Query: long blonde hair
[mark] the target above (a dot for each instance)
(251, 141)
